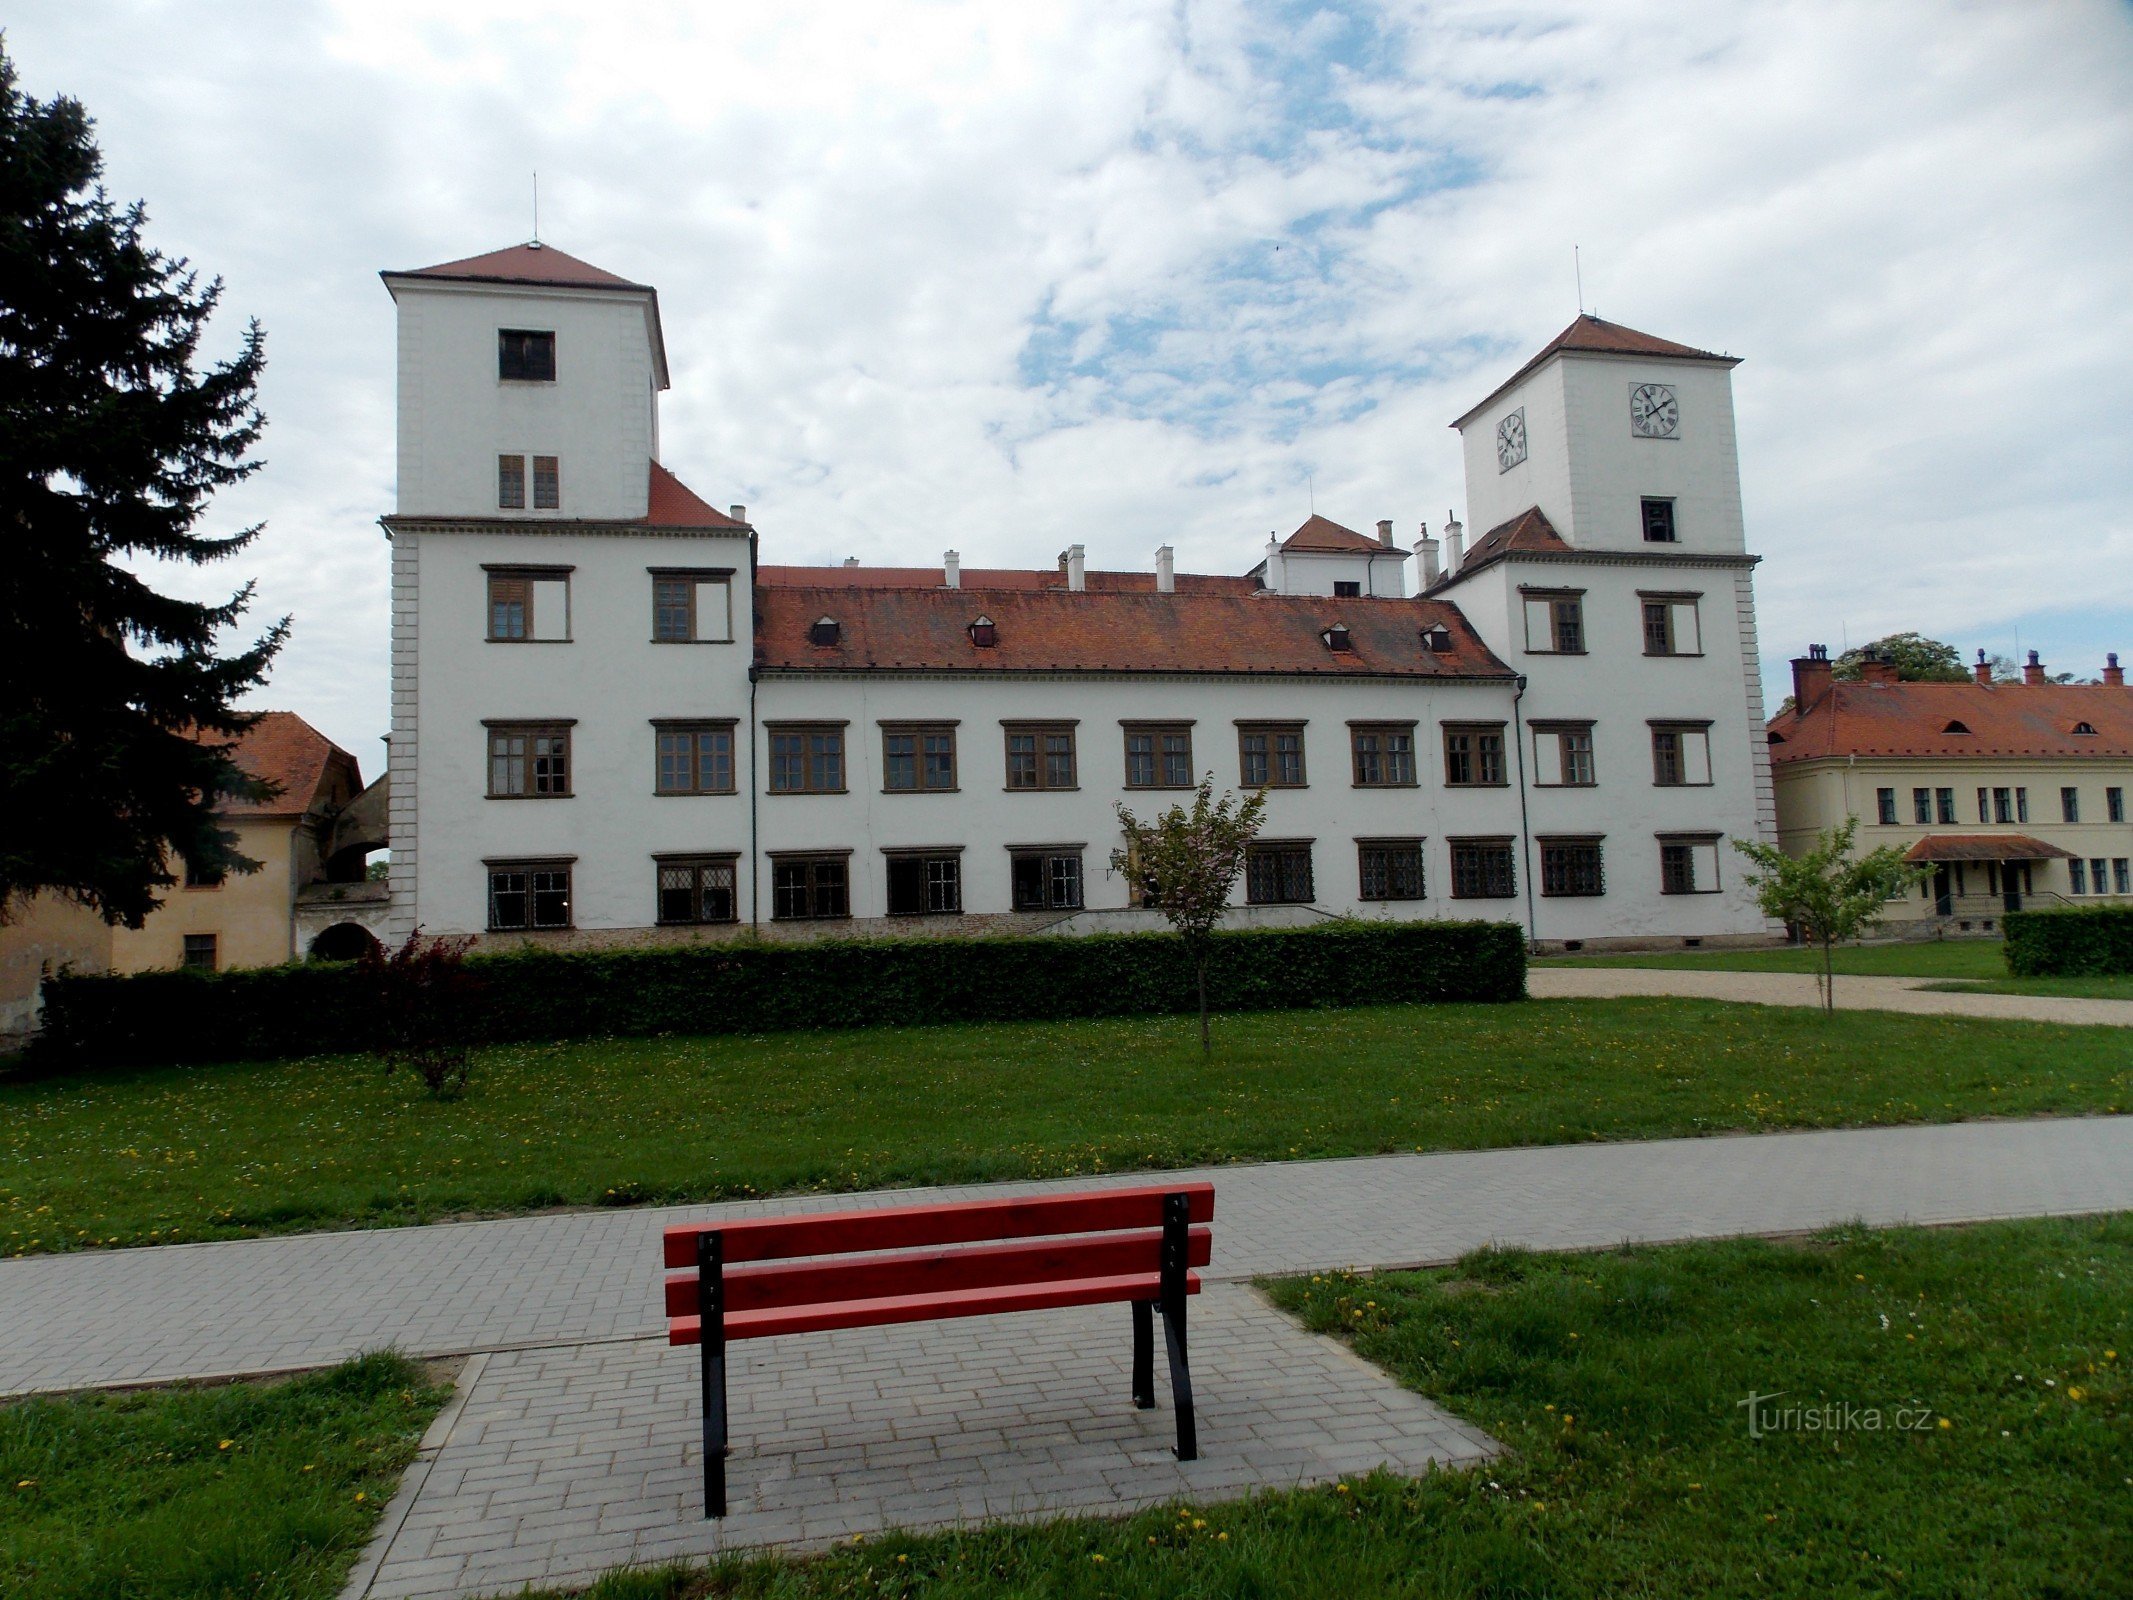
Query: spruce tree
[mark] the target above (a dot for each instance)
(116, 702)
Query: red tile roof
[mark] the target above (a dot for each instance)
(670, 503)
(525, 263)
(1985, 847)
(284, 749)
(1911, 719)
(1528, 533)
(992, 578)
(1589, 335)
(1322, 533)
(1121, 631)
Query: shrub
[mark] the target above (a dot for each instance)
(424, 1000)
(2090, 942)
(770, 987)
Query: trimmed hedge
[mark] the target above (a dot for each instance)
(154, 1018)
(2091, 942)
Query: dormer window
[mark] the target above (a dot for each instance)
(525, 356)
(2085, 729)
(1436, 638)
(824, 633)
(1336, 638)
(984, 634)
(1955, 727)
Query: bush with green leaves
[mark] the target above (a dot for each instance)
(2091, 942)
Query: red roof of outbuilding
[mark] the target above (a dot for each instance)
(1323, 533)
(1589, 335)
(525, 263)
(1985, 847)
(1912, 719)
(283, 749)
(928, 630)
(670, 503)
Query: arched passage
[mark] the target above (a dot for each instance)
(344, 941)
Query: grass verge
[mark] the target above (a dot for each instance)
(1954, 959)
(215, 1152)
(1993, 1356)
(265, 1490)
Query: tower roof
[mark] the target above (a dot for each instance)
(533, 262)
(1323, 533)
(1589, 335)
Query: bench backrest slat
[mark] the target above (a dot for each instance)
(914, 1227)
(986, 1266)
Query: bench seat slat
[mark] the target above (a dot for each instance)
(960, 1222)
(790, 1283)
(929, 1307)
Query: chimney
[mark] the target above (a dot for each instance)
(1810, 677)
(1166, 570)
(1276, 577)
(1876, 668)
(2114, 676)
(1385, 533)
(739, 513)
(1983, 670)
(2033, 670)
(1426, 553)
(951, 570)
(850, 562)
(1454, 543)
(1077, 578)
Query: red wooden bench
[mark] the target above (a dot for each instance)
(757, 1279)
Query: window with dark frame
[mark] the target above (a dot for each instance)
(1884, 806)
(199, 952)
(510, 483)
(527, 895)
(1158, 756)
(1277, 873)
(1473, 755)
(528, 603)
(1658, 521)
(1555, 622)
(2002, 805)
(693, 758)
(1562, 755)
(2114, 805)
(525, 355)
(806, 758)
(529, 760)
(1271, 755)
(1922, 805)
(918, 758)
(1383, 754)
(1571, 868)
(1389, 869)
(1681, 756)
(2021, 805)
(810, 888)
(1347, 589)
(692, 607)
(925, 883)
(200, 877)
(2069, 805)
(1688, 865)
(1046, 880)
(547, 484)
(1483, 869)
(1040, 755)
(1944, 804)
(697, 889)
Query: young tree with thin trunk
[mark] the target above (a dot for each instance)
(1184, 863)
(1826, 894)
(117, 719)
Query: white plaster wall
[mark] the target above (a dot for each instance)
(1542, 479)
(457, 416)
(1383, 574)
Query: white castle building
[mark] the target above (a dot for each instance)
(612, 720)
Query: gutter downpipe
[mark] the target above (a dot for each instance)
(1525, 827)
(755, 854)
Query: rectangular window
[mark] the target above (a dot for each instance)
(1681, 756)
(1040, 755)
(693, 758)
(529, 760)
(1571, 868)
(2003, 805)
(2114, 805)
(1277, 874)
(2121, 879)
(1944, 804)
(1884, 806)
(1983, 815)
(1047, 879)
(1347, 589)
(547, 484)
(810, 888)
(511, 483)
(199, 952)
(1671, 625)
(2021, 805)
(692, 606)
(925, 883)
(1688, 865)
(917, 757)
(697, 888)
(1389, 869)
(1922, 805)
(1271, 755)
(1473, 755)
(528, 894)
(525, 356)
(1482, 869)
(528, 603)
(1555, 623)
(2096, 866)
(199, 877)
(1158, 756)
(1562, 755)
(806, 758)
(2069, 805)
(2077, 876)
(1658, 521)
(1384, 754)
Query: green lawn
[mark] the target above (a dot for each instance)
(1955, 959)
(261, 1490)
(1994, 1359)
(208, 1152)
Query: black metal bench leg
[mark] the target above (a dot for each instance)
(1144, 1354)
(1177, 1224)
(711, 1332)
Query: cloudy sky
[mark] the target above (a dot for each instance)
(1004, 277)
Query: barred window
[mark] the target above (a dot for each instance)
(1277, 874)
(1482, 869)
(1390, 869)
(925, 883)
(1571, 867)
(809, 888)
(533, 894)
(1047, 880)
(1688, 865)
(699, 890)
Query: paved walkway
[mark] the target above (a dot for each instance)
(1914, 995)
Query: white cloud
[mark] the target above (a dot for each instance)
(1238, 247)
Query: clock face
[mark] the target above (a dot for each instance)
(1653, 411)
(1511, 440)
